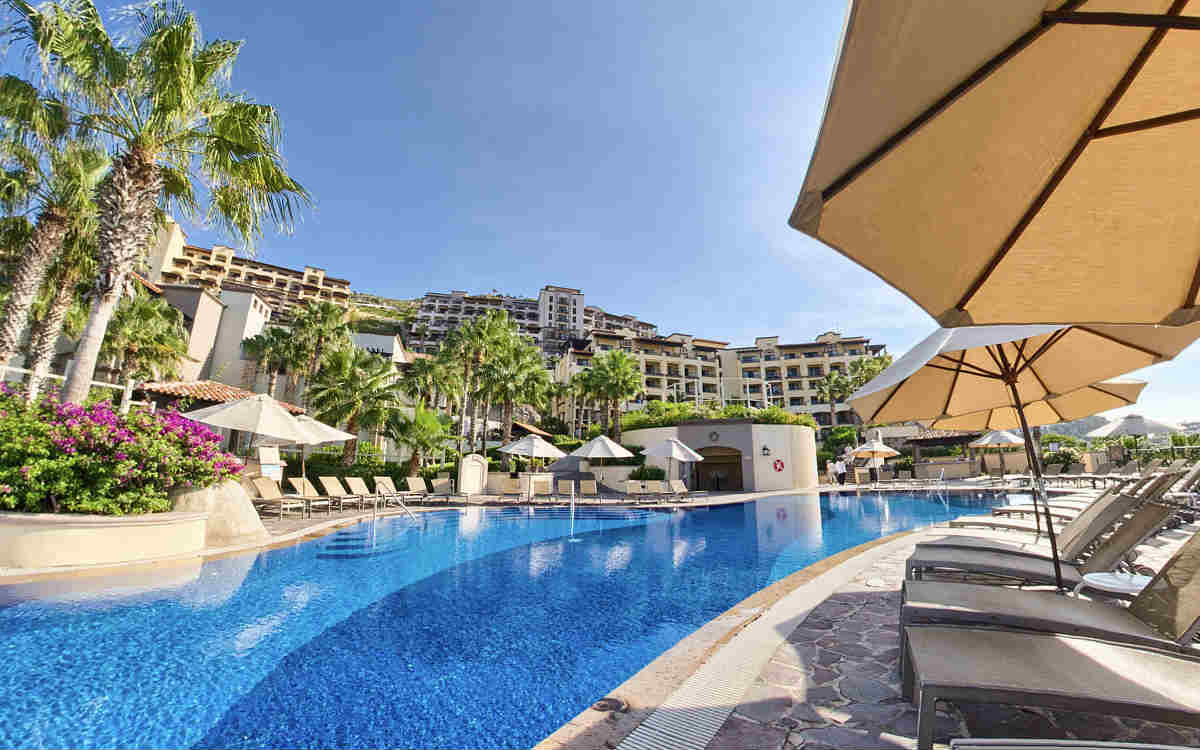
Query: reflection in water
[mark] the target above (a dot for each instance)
(618, 557)
(544, 557)
(295, 599)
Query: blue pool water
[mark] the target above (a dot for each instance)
(474, 628)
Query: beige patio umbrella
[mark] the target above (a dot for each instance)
(1077, 404)
(957, 371)
(998, 439)
(317, 433)
(1016, 161)
(601, 447)
(1134, 424)
(875, 449)
(260, 414)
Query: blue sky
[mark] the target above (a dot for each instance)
(645, 152)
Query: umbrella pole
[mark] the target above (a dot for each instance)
(1035, 468)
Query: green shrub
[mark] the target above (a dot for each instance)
(648, 472)
(1063, 456)
(839, 438)
(595, 430)
(554, 425)
(57, 457)
(668, 414)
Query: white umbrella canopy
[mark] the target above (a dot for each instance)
(1023, 161)
(532, 446)
(997, 439)
(601, 446)
(321, 432)
(1134, 424)
(672, 448)
(260, 414)
(1077, 404)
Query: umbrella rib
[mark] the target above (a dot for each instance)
(979, 374)
(954, 382)
(1157, 356)
(1110, 393)
(1072, 156)
(979, 75)
(1140, 20)
(1148, 123)
(1054, 339)
(977, 370)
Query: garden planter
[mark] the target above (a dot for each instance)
(232, 518)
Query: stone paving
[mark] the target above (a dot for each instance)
(835, 685)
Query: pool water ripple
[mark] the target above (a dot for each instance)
(464, 628)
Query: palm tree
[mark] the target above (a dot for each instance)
(160, 97)
(420, 381)
(834, 387)
(617, 378)
(515, 375)
(318, 327)
(423, 433)
(58, 182)
(272, 350)
(146, 339)
(355, 388)
(64, 310)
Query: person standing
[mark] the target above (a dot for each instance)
(839, 468)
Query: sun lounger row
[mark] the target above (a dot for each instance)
(979, 643)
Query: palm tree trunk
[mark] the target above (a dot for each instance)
(487, 410)
(414, 461)
(616, 418)
(127, 203)
(462, 410)
(43, 245)
(571, 406)
(350, 450)
(45, 336)
(508, 425)
(272, 382)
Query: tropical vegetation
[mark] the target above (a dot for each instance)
(59, 457)
(669, 414)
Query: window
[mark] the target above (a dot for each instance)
(814, 400)
(790, 355)
(605, 348)
(815, 371)
(756, 389)
(749, 374)
(796, 385)
(796, 401)
(793, 372)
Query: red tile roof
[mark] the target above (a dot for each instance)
(147, 283)
(206, 390)
(531, 428)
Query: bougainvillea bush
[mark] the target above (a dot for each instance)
(57, 457)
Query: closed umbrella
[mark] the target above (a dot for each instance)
(672, 450)
(1077, 404)
(959, 371)
(999, 162)
(998, 439)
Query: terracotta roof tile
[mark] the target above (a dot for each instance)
(206, 390)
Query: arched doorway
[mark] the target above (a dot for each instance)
(721, 468)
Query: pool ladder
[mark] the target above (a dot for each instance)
(405, 508)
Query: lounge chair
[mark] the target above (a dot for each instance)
(270, 497)
(589, 489)
(312, 497)
(386, 488)
(335, 491)
(1054, 671)
(634, 488)
(442, 487)
(1071, 473)
(565, 488)
(682, 492)
(511, 487)
(540, 491)
(359, 487)
(1151, 467)
(904, 475)
(979, 743)
(1034, 568)
(416, 488)
(1165, 615)
(657, 488)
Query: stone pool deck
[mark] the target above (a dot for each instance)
(831, 680)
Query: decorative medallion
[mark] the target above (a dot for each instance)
(714, 436)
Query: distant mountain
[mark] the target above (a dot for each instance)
(1078, 428)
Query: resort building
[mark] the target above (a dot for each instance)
(173, 261)
(553, 321)
(787, 375)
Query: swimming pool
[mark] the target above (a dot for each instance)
(471, 628)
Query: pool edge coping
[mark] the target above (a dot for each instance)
(691, 659)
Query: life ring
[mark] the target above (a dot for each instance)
(778, 464)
